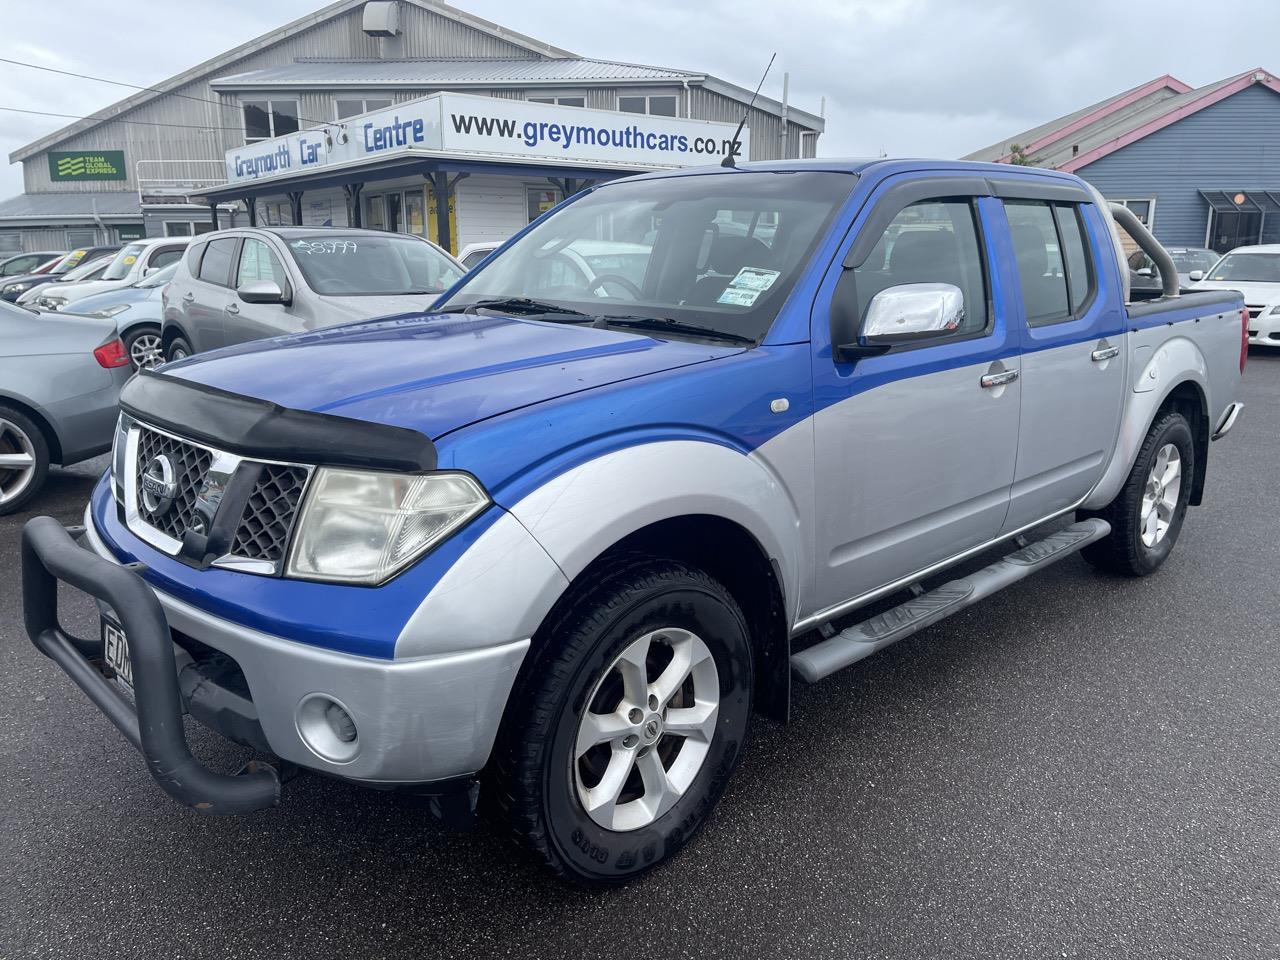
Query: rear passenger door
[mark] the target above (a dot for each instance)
(1073, 356)
(205, 302)
(915, 449)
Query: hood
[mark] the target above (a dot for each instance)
(84, 288)
(110, 298)
(435, 373)
(1256, 294)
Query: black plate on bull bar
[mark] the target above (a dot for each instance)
(115, 651)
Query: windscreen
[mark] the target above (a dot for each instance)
(68, 262)
(719, 251)
(87, 271)
(1188, 260)
(124, 262)
(358, 265)
(1256, 267)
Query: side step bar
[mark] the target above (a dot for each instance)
(865, 638)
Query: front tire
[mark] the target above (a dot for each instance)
(1146, 516)
(628, 721)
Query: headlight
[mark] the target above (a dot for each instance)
(15, 287)
(109, 312)
(363, 527)
(52, 303)
(1272, 311)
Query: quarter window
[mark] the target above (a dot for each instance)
(216, 265)
(934, 241)
(264, 119)
(1054, 268)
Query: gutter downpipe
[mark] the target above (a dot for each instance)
(786, 83)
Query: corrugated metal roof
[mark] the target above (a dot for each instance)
(78, 204)
(444, 72)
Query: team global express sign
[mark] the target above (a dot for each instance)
(499, 130)
(87, 165)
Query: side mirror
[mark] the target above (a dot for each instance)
(906, 313)
(1195, 276)
(261, 291)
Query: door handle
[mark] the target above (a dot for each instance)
(999, 379)
(188, 297)
(1104, 353)
(231, 308)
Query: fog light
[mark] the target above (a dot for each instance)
(327, 728)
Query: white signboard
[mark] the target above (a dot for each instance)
(483, 128)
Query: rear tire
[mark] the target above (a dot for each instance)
(603, 674)
(1146, 515)
(179, 349)
(24, 459)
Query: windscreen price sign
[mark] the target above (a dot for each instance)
(87, 165)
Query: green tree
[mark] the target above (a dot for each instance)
(1018, 156)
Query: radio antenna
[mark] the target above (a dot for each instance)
(735, 144)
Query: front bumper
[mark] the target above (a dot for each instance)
(418, 721)
(1264, 331)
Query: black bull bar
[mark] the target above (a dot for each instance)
(153, 723)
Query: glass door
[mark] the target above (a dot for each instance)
(1235, 229)
(415, 213)
(375, 213)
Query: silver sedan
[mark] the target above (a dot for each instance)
(60, 380)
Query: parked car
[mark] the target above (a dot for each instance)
(567, 543)
(471, 255)
(245, 284)
(132, 262)
(21, 263)
(92, 270)
(1255, 273)
(138, 312)
(13, 287)
(60, 380)
(1192, 263)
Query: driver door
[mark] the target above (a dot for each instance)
(915, 449)
(256, 321)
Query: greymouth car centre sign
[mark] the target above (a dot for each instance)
(498, 130)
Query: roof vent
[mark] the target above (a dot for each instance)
(381, 18)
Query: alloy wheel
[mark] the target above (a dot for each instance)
(1160, 496)
(146, 352)
(17, 461)
(647, 729)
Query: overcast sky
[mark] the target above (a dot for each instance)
(906, 77)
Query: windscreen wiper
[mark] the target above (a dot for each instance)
(523, 305)
(671, 325)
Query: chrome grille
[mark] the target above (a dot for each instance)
(190, 465)
(265, 524)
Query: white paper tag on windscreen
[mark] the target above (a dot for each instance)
(745, 289)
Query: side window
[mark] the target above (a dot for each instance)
(216, 265)
(162, 258)
(258, 262)
(1080, 272)
(1054, 267)
(1040, 268)
(933, 241)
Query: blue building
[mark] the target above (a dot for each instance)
(1201, 167)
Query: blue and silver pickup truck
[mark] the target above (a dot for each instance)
(545, 548)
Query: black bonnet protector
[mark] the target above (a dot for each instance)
(258, 428)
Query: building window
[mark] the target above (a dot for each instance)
(264, 119)
(10, 243)
(186, 228)
(354, 106)
(561, 101)
(540, 201)
(82, 238)
(1144, 210)
(663, 106)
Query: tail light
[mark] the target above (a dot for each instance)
(112, 354)
(1244, 337)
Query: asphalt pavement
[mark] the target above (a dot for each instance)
(1079, 766)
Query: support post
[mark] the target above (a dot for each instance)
(295, 206)
(251, 205)
(442, 188)
(213, 214)
(352, 192)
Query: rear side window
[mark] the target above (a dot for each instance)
(1054, 267)
(215, 267)
(933, 241)
(162, 258)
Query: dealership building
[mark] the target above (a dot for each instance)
(404, 115)
(1198, 165)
